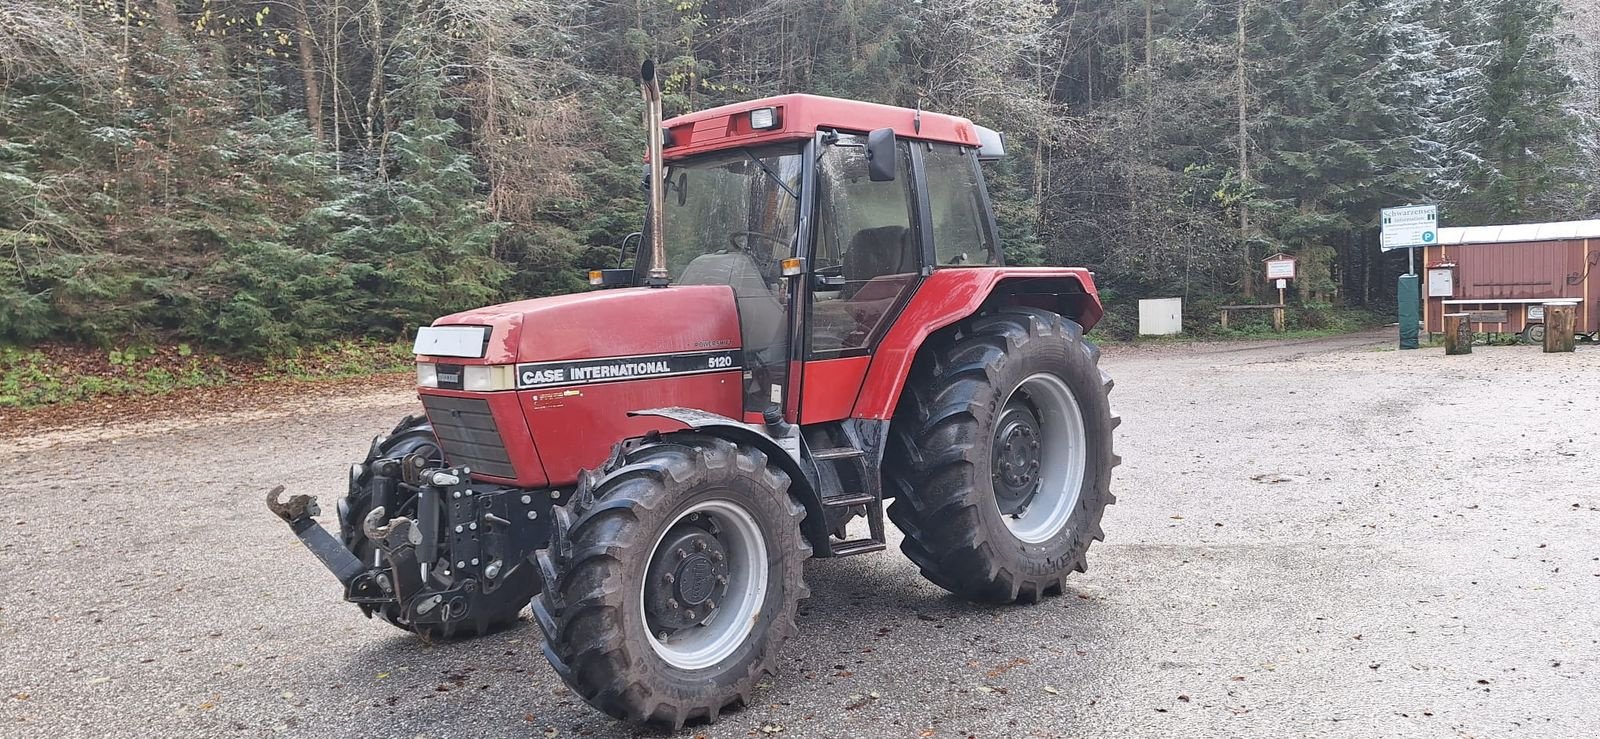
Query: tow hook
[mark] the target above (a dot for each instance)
(392, 535)
(299, 512)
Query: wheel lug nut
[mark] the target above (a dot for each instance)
(716, 556)
(669, 578)
(662, 636)
(672, 603)
(682, 554)
(688, 614)
(699, 546)
(722, 579)
(711, 604)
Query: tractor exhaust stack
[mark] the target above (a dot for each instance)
(652, 123)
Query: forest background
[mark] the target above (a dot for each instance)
(257, 178)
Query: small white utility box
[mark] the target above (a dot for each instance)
(1161, 317)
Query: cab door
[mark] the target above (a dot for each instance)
(868, 254)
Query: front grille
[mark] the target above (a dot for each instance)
(468, 436)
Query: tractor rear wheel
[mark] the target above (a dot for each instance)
(414, 435)
(672, 579)
(1000, 455)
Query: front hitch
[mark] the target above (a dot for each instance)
(299, 512)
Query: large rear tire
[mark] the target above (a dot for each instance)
(672, 579)
(1000, 455)
(490, 612)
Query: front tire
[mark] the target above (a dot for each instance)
(1000, 456)
(673, 579)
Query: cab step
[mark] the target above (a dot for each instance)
(852, 471)
(849, 501)
(858, 546)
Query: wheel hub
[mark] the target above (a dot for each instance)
(1015, 457)
(688, 577)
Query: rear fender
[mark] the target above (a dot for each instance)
(802, 476)
(950, 295)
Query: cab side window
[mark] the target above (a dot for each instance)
(961, 233)
(867, 255)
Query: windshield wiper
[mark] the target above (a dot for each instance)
(770, 173)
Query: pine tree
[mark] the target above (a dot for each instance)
(1342, 134)
(1505, 122)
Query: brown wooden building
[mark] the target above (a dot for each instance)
(1503, 275)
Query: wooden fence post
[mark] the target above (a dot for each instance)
(1558, 328)
(1277, 319)
(1457, 334)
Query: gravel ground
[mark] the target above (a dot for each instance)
(1315, 538)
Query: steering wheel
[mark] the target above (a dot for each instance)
(747, 236)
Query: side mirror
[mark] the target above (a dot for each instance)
(630, 247)
(881, 155)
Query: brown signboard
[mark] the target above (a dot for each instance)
(1486, 316)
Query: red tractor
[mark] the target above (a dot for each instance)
(822, 321)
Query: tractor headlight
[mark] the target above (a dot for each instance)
(488, 378)
(427, 374)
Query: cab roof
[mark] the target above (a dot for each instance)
(800, 116)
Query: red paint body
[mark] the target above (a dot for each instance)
(830, 387)
(950, 295)
(607, 323)
(552, 433)
(576, 427)
(800, 117)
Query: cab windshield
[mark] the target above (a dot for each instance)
(737, 202)
(731, 218)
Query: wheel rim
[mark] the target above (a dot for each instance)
(692, 619)
(1536, 333)
(1038, 460)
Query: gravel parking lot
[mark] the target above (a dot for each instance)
(1313, 538)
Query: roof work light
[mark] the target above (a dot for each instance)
(762, 119)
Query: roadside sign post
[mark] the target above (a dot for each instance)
(1280, 268)
(1408, 228)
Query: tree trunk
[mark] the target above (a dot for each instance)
(1247, 282)
(375, 87)
(166, 12)
(1457, 334)
(1150, 36)
(1559, 331)
(308, 69)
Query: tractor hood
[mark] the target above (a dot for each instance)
(610, 323)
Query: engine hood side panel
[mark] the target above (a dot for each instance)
(584, 361)
(608, 323)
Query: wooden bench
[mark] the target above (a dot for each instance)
(1277, 313)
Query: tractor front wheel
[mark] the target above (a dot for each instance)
(1000, 456)
(672, 579)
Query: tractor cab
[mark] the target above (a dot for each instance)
(823, 219)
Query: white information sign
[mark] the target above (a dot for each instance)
(1282, 284)
(1280, 269)
(1413, 225)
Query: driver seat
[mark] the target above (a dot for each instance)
(876, 252)
(763, 326)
